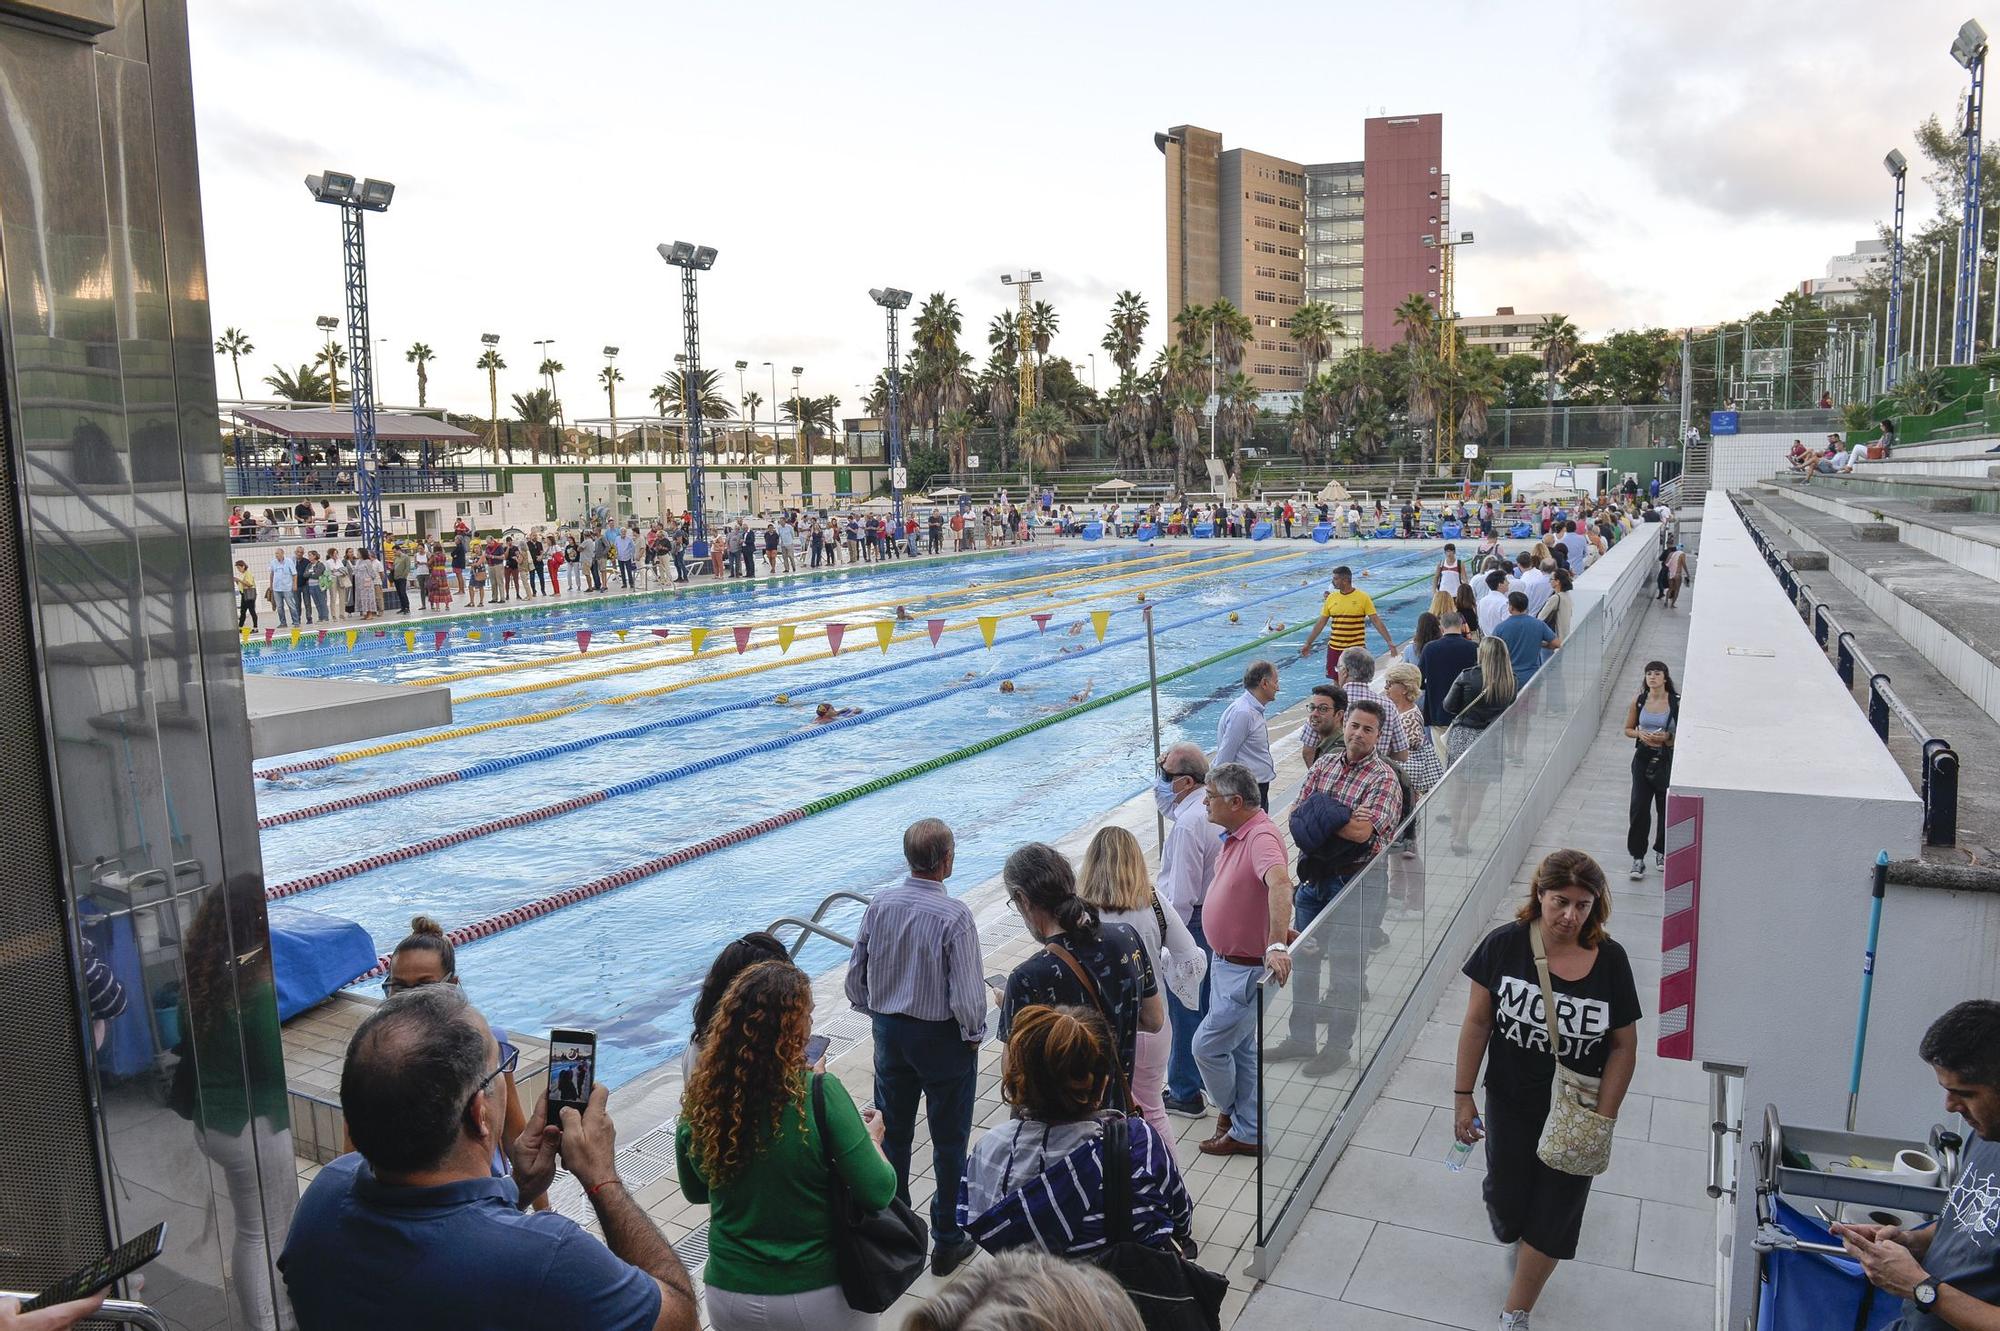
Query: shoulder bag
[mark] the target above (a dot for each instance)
(879, 1254)
(1170, 1292)
(1089, 983)
(1576, 1139)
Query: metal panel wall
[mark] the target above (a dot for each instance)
(121, 669)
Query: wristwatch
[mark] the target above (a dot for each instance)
(1285, 948)
(1925, 1295)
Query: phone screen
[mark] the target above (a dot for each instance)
(120, 1262)
(572, 1070)
(997, 980)
(816, 1048)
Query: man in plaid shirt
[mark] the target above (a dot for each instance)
(1359, 777)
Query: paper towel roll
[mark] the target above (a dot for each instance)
(1918, 1164)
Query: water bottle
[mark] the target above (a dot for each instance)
(1454, 1159)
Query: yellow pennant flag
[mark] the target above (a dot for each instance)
(352, 634)
(885, 629)
(621, 635)
(1100, 620)
(409, 640)
(246, 633)
(696, 637)
(988, 623)
(295, 637)
(785, 634)
(472, 634)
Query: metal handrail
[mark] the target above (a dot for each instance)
(122, 1311)
(1938, 761)
(807, 928)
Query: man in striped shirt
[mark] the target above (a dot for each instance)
(918, 972)
(1349, 612)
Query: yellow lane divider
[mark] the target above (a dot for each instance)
(532, 718)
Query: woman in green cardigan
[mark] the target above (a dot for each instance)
(747, 1146)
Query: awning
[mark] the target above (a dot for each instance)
(330, 423)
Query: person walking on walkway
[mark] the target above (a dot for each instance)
(1243, 735)
(1346, 615)
(1560, 928)
(760, 1139)
(1187, 861)
(917, 973)
(1248, 918)
(1650, 723)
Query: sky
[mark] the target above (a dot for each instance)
(1627, 164)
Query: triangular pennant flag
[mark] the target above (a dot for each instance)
(472, 634)
(935, 628)
(1100, 620)
(1042, 620)
(268, 633)
(437, 640)
(321, 641)
(742, 635)
(295, 637)
(662, 634)
(621, 635)
(351, 636)
(988, 623)
(583, 640)
(786, 632)
(381, 633)
(506, 634)
(246, 633)
(409, 640)
(834, 633)
(696, 637)
(885, 629)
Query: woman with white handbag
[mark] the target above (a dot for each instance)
(1553, 979)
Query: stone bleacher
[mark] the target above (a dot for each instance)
(1911, 546)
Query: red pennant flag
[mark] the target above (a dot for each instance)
(936, 627)
(833, 635)
(661, 633)
(1042, 620)
(742, 635)
(506, 634)
(268, 633)
(322, 639)
(381, 633)
(583, 640)
(437, 643)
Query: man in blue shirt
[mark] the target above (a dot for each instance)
(1525, 637)
(414, 1229)
(1242, 735)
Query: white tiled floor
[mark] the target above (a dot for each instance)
(1397, 1242)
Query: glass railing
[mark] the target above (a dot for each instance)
(1329, 1039)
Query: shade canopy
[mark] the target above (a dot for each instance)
(339, 424)
(1115, 483)
(1333, 492)
(946, 492)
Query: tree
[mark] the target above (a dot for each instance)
(333, 359)
(704, 388)
(751, 401)
(814, 417)
(492, 363)
(537, 411)
(1634, 367)
(1556, 341)
(1125, 335)
(306, 384)
(234, 343)
(1185, 405)
(1314, 328)
(1368, 427)
(1043, 323)
(1477, 388)
(1232, 333)
(1235, 417)
(1044, 432)
(420, 355)
(1518, 374)
(610, 376)
(1001, 380)
(954, 432)
(1417, 317)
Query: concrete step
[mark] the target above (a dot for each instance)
(1969, 540)
(1980, 466)
(1974, 493)
(1948, 615)
(1944, 448)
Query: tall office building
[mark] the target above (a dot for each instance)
(1268, 233)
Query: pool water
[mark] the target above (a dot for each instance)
(627, 963)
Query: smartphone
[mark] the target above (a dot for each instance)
(572, 1070)
(816, 1048)
(115, 1265)
(997, 982)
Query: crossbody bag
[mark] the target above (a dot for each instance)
(1576, 1139)
(1089, 983)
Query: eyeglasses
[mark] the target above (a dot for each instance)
(508, 1062)
(1170, 774)
(391, 986)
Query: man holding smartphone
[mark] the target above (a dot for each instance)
(414, 1229)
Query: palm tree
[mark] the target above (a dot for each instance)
(333, 357)
(955, 430)
(751, 401)
(662, 395)
(1368, 425)
(1557, 342)
(707, 390)
(1314, 328)
(1236, 415)
(306, 384)
(1416, 316)
(1045, 431)
(1232, 331)
(1003, 336)
(611, 377)
(493, 364)
(234, 343)
(537, 411)
(1185, 405)
(1043, 324)
(1477, 389)
(814, 418)
(421, 355)
(1002, 381)
(1125, 336)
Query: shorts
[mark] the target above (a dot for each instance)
(1525, 1199)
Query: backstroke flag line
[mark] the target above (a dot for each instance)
(988, 623)
(1100, 620)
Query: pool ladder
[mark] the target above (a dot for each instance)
(809, 927)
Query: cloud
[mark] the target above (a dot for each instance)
(1511, 230)
(231, 142)
(337, 33)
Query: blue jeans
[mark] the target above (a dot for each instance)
(1225, 1048)
(1183, 1078)
(1311, 956)
(287, 605)
(935, 1060)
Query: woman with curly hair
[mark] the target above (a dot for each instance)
(748, 1147)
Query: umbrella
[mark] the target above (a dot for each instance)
(946, 492)
(1333, 492)
(1115, 483)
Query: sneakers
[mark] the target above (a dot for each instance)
(1290, 1049)
(1514, 1321)
(949, 1257)
(1659, 859)
(1192, 1107)
(1638, 869)
(1328, 1063)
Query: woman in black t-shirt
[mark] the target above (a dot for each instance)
(1042, 887)
(1597, 1008)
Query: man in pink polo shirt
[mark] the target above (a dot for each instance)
(1246, 915)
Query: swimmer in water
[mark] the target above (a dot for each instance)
(1084, 692)
(1076, 628)
(903, 612)
(826, 712)
(1006, 686)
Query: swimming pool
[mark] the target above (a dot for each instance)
(666, 735)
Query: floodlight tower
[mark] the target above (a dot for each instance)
(1969, 49)
(1025, 283)
(692, 259)
(1898, 167)
(1447, 345)
(353, 199)
(894, 301)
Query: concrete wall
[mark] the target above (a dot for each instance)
(1736, 460)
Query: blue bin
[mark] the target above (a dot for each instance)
(699, 550)
(1521, 531)
(1385, 533)
(1204, 529)
(1810, 1291)
(1092, 530)
(1146, 533)
(1323, 533)
(1260, 532)
(1451, 531)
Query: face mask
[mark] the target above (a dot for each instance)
(1163, 793)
